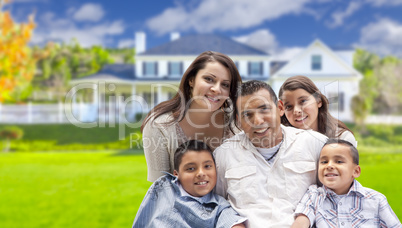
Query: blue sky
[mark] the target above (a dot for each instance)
(280, 27)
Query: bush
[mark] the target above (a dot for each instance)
(11, 132)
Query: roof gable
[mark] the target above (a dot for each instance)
(332, 63)
(196, 44)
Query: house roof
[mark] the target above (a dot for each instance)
(277, 65)
(120, 73)
(113, 72)
(198, 43)
(282, 69)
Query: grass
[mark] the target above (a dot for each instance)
(102, 189)
(382, 172)
(105, 189)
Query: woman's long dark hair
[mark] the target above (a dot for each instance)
(327, 124)
(177, 105)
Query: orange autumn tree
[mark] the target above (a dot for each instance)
(17, 63)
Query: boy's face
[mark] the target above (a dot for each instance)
(197, 173)
(336, 169)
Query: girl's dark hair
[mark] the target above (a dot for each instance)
(191, 145)
(178, 104)
(327, 124)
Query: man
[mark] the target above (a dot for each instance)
(265, 170)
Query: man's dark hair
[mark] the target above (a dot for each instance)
(353, 151)
(191, 145)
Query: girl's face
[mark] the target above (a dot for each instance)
(210, 87)
(301, 109)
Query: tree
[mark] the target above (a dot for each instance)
(17, 64)
(64, 62)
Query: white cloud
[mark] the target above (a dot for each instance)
(382, 37)
(261, 39)
(126, 43)
(89, 12)
(339, 16)
(379, 3)
(224, 15)
(51, 28)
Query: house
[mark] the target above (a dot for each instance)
(156, 75)
(330, 69)
(157, 72)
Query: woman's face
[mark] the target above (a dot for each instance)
(210, 87)
(301, 109)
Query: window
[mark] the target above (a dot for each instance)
(175, 68)
(237, 64)
(148, 98)
(171, 95)
(255, 68)
(150, 68)
(316, 62)
(336, 101)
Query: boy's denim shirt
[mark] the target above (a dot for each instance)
(164, 206)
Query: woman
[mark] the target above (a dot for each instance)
(306, 107)
(201, 110)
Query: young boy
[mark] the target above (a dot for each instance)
(342, 201)
(186, 199)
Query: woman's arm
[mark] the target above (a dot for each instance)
(155, 143)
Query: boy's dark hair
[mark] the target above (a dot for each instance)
(191, 145)
(353, 151)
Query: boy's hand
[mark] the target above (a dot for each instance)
(301, 221)
(241, 225)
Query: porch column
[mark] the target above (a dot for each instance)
(133, 104)
(94, 109)
(159, 96)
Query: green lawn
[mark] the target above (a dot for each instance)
(102, 189)
(105, 189)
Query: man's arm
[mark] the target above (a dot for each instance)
(221, 185)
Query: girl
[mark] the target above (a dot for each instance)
(201, 110)
(305, 107)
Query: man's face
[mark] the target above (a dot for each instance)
(259, 118)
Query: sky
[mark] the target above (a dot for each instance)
(280, 27)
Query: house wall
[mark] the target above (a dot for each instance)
(330, 65)
(163, 61)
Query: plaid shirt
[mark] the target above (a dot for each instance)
(361, 207)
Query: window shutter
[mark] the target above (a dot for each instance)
(341, 101)
(144, 70)
(249, 68)
(181, 69)
(261, 68)
(156, 68)
(170, 68)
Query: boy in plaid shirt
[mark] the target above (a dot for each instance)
(342, 201)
